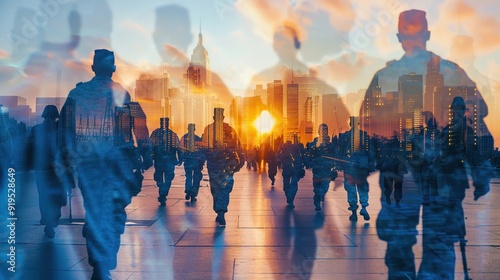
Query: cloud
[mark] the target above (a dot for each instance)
(4, 54)
(129, 24)
(349, 72)
(317, 23)
(342, 14)
(479, 22)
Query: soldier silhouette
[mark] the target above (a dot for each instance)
(224, 158)
(166, 156)
(193, 160)
(396, 102)
(291, 156)
(43, 149)
(357, 163)
(272, 164)
(321, 155)
(101, 145)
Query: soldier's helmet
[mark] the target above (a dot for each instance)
(164, 122)
(458, 103)
(431, 123)
(50, 112)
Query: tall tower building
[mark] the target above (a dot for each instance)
(433, 79)
(201, 61)
(275, 98)
(306, 125)
(292, 109)
(261, 92)
(410, 88)
(151, 90)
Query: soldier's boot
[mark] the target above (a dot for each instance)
(49, 231)
(289, 200)
(317, 202)
(426, 201)
(101, 272)
(354, 216)
(162, 200)
(193, 198)
(365, 214)
(221, 219)
(188, 195)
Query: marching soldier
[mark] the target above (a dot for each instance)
(193, 162)
(320, 155)
(42, 146)
(101, 147)
(357, 163)
(166, 156)
(224, 158)
(291, 157)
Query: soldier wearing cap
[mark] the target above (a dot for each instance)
(100, 145)
(166, 156)
(43, 149)
(193, 161)
(224, 158)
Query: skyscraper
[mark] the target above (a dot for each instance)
(275, 98)
(201, 61)
(151, 91)
(433, 79)
(292, 109)
(411, 89)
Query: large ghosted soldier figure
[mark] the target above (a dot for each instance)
(292, 159)
(402, 97)
(224, 158)
(166, 156)
(193, 160)
(103, 131)
(321, 155)
(43, 150)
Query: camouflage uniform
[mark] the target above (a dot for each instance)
(193, 164)
(101, 147)
(320, 158)
(42, 147)
(166, 156)
(223, 160)
(291, 157)
(356, 165)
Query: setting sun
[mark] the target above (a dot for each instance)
(265, 122)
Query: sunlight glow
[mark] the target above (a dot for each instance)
(265, 122)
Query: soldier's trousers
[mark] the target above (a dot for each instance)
(272, 170)
(105, 197)
(51, 196)
(221, 185)
(193, 177)
(352, 194)
(391, 184)
(163, 178)
(443, 226)
(321, 186)
(290, 186)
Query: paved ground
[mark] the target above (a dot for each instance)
(262, 240)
